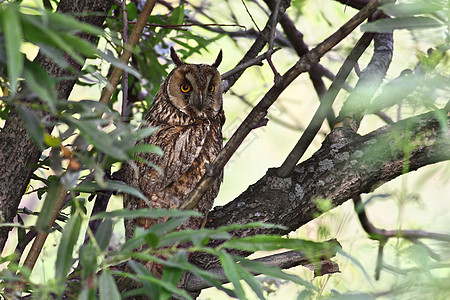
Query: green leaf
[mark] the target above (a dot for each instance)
(116, 186)
(197, 236)
(98, 138)
(150, 236)
(132, 11)
(232, 273)
(149, 280)
(410, 23)
(39, 82)
(410, 9)
(171, 274)
(64, 258)
(88, 260)
(13, 42)
(33, 124)
(273, 242)
(103, 234)
(51, 141)
(145, 148)
(275, 272)
(107, 287)
(145, 213)
(53, 190)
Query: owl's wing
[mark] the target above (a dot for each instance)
(181, 146)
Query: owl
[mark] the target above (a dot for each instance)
(187, 112)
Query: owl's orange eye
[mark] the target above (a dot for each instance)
(185, 88)
(211, 88)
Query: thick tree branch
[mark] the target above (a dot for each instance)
(347, 164)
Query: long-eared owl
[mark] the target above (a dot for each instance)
(188, 114)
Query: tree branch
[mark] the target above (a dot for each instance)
(371, 78)
(285, 260)
(258, 113)
(347, 164)
(325, 106)
(127, 50)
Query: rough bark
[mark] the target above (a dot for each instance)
(18, 153)
(346, 165)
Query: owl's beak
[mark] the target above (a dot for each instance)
(198, 103)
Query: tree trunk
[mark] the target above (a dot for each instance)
(18, 153)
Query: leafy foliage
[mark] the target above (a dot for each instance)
(84, 140)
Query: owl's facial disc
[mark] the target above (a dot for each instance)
(195, 90)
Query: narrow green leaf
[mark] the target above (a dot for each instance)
(410, 9)
(254, 284)
(275, 272)
(64, 258)
(145, 213)
(232, 273)
(98, 138)
(13, 42)
(171, 274)
(146, 148)
(410, 23)
(151, 235)
(33, 125)
(116, 186)
(53, 189)
(107, 287)
(274, 242)
(88, 260)
(198, 237)
(147, 278)
(40, 83)
(103, 234)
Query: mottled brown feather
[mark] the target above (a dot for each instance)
(190, 137)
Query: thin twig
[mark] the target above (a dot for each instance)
(325, 106)
(127, 51)
(241, 67)
(250, 15)
(259, 112)
(125, 74)
(381, 234)
(257, 46)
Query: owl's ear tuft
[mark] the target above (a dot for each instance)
(175, 58)
(218, 60)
